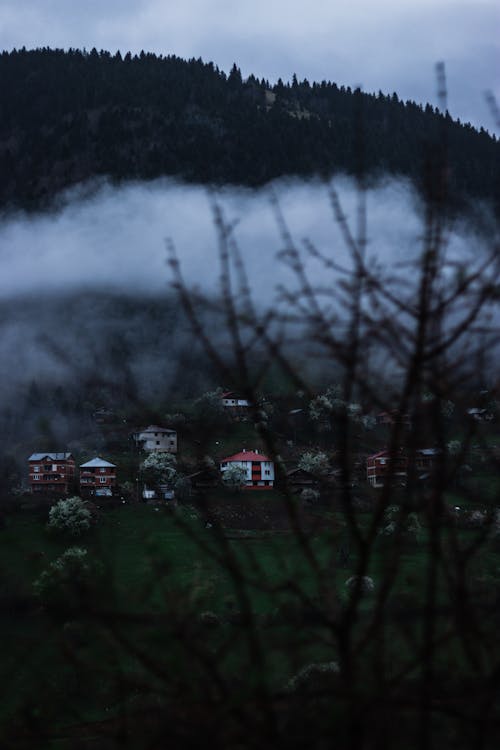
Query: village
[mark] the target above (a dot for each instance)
(169, 464)
(232, 513)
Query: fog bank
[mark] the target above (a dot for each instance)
(114, 237)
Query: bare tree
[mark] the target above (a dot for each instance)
(361, 630)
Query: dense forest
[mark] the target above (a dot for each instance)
(67, 116)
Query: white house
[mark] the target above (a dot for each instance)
(155, 438)
(259, 468)
(232, 400)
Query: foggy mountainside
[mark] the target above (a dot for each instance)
(67, 116)
(87, 313)
(249, 403)
(82, 350)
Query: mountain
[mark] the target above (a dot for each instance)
(69, 116)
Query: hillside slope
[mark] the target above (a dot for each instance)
(68, 116)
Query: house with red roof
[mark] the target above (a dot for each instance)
(381, 465)
(259, 468)
(233, 400)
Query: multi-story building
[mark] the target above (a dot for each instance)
(155, 438)
(380, 465)
(259, 469)
(51, 472)
(97, 477)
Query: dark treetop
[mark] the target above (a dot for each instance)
(69, 116)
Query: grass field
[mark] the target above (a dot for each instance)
(162, 570)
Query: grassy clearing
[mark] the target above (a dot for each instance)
(168, 566)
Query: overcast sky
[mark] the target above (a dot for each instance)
(390, 45)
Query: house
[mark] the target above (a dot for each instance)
(480, 415)
(380, 465)
(97, 477)
(259, 468)
(204, 479)
(161, 492)
(103, 416)
(301, 479)
(233, 400)
(51, 472)
(155, 438)
(393, 417)
(425, 458)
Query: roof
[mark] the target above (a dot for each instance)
(298, 470)
(245, 455)
(379, 454)
(52, 456)
(156, 428)
(97, 462)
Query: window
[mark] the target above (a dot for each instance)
(102, 480)
(157, 442)
(267, 472)
(36, 476)
(36, 468)
(54, 467)
(102, 471)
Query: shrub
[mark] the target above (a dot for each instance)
(366, 585)
(313, 675)
(209, 619)
(159, 468)
(316, 463)
(71, 516)
(395, 520)
(182, 487)
(309, 495)
(234, 476)
(68, 581)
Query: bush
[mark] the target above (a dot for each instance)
(366, 585)
(309, 495)
(397, 521)
(315, 463)
(69, 581)
(71, 516)
(313, 676)
(235, 476)
(159, 468)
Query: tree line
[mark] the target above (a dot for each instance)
(69, 116)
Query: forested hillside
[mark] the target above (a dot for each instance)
(69, 116)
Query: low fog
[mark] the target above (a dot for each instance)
(86, 297)
(101, 237)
